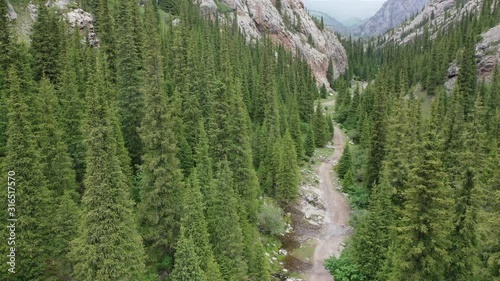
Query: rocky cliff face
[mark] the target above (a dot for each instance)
(439, 14)
(392, 13)
(436, 14)
(488, 52)
(291, 27)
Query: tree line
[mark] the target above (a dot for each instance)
(147, 158)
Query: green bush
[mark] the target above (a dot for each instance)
(343, 269)
(270, 219)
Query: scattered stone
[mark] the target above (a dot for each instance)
(176, 22)
(274, 258)
(283, 252)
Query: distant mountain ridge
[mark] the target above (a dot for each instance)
(331, 22)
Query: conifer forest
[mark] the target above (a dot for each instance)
(159, 144)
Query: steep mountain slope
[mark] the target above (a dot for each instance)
(290, 26)
(436, 15)
(439, 15)
(392, 13)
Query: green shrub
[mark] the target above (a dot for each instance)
(270, 219)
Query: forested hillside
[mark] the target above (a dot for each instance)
(148, 157)
(423, 171)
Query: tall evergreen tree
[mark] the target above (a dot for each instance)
(33, 224)
(423, 241)
(224, 226)
(128, 79)
(71, 102)
(57, 165)
(162, 179)
(5, 42)
(46, 43)
(195, 225)
(287, 178)
(187, 263)
(116, 253)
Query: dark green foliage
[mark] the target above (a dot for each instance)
(128, 79)
(46, 43)
(423, 236)
(343, 269)
(195, 224)
(33, 212)
(287, 177)
(117, 253)
(126, 120)
(161, 181)
(55, 160)
(187, 263)
(344, 163)
(5, 42)
(225, 231)
(320, 128)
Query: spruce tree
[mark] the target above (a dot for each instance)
(22, 162)
(187, 263)
(224, 226)
(320, 128)
(46, 44)
(56, 163)
(287, 177)
(116, 253)
(422, 241)
(5, 42)
(161, 179)
(70, 94)
(128, 79)
(194, 221)
(372, 238)
(345, 163)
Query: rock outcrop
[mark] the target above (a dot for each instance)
(11, 13)
(84, 21)
(488, 52)
(437, 14)
(487, 58)
(390, 15)
(291, 27)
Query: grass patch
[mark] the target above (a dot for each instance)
(306, 251)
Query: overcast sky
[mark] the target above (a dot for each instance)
(344, 9)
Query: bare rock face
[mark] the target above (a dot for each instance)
(392, 13)
(437, 13)
(488, 52)
(11, 13)
(487, 58)
(291, 27)
(83, 20)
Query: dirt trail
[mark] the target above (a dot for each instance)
(336, 231)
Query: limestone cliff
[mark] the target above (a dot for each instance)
(291, 26)
(390, 15)
(437, 14)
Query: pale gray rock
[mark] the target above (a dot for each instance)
(84, 21)
(437, 13)
(11, 13)
(488, 52)
(258, 17)
(390, 15)
(208, 8)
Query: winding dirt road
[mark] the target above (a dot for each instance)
(336, 230)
